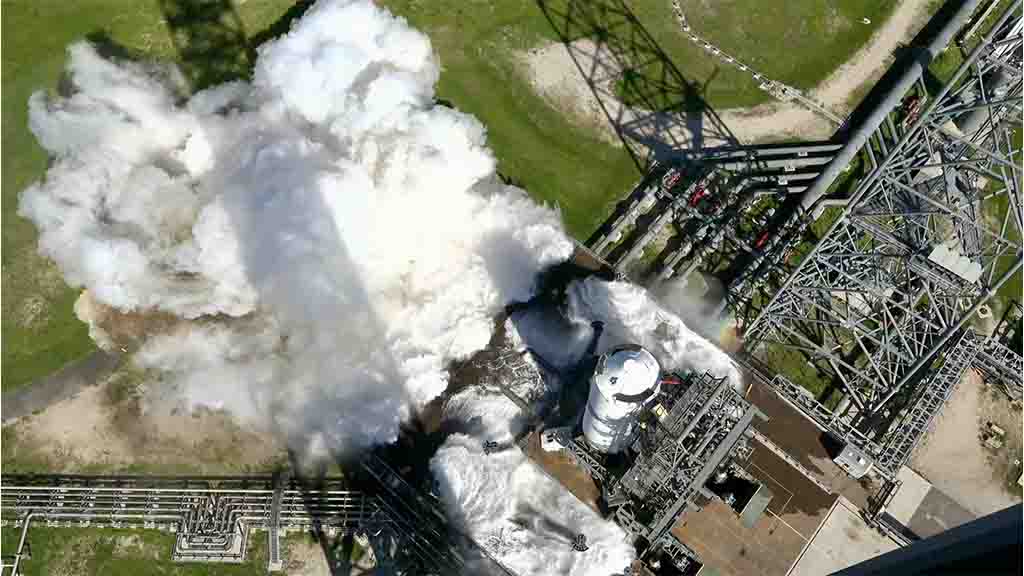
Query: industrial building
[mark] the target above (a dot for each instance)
(647, 445)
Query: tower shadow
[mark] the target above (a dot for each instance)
(653, 108)
(210, 40)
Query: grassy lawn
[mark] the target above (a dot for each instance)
(537, 148)
(116, 552)
(130, 552)
(799, 42)
(793, 365)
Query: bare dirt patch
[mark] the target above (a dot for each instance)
(114, 330)
(555, 76)
(303, 556)
(953, 458)
(133, 545)
(112, 426)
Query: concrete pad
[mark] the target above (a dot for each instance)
(909, 496)
(729, 548)
(768, 544)
(843, 540)
(938, 513)
(803, 441)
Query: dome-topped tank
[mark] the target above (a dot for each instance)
(625, 379)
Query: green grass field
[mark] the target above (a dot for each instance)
(123, 552)
(996, 210)
(119, 553)
(536, 147)
(799, 42)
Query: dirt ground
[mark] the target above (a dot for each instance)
(304, 557)
(553, 73)
(113, 330)
(114, 426)
(953, 458)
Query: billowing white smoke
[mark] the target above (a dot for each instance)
(677, 295)
(331, 240)
(631, 315)
(337, 237)
(521, 516)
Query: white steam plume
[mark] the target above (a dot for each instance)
(678, 295)
(330, 240)
(337, 237)
(631, 315)
(521, 516)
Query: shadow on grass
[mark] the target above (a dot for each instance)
(282, 25)
(656, 112)
(211, 41)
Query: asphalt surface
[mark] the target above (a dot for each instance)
(64, 383)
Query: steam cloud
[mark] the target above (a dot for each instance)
(631, 314)
(335, 236)
(330, 239)
(522, 517)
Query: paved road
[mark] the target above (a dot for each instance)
(65, 383)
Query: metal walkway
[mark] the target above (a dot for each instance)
(213, 517)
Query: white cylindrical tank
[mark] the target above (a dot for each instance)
(625, 379)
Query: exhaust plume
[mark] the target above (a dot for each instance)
(335, 237)
(631, 314)
(521, 516)
(319, 245)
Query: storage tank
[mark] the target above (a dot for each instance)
(625, 379)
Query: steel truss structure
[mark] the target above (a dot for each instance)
(912, 257)
(713, 204)
(1000, 356)
(213, 517)
(705, 425)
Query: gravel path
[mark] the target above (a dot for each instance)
(867, 65)
(65, 383)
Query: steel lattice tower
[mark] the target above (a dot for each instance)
(916, 250)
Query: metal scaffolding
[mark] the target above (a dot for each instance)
(912, 256)
(703, 425)
(1000, 356)
(212, 517)
(921, 412)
